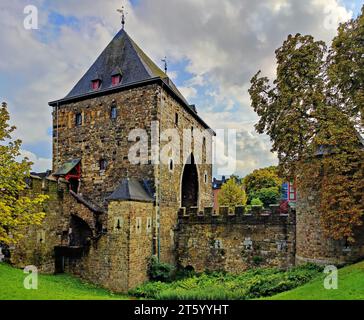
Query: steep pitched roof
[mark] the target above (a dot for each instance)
(130, 190)
(125, 56)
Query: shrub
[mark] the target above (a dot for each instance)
(159, 271)
(256, 202)
(255, 283)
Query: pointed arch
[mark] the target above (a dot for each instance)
(190, 184)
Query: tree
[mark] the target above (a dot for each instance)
(312, 129)
(232, 194)
(259, 179)
(268, 196)
(346, 67)
(17, 211)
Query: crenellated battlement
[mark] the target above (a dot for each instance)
(238, 214)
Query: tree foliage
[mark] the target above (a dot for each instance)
(310, 113)
(232, 194)
(346, 67)
(260, 183)
(271, 195)
(17, 211)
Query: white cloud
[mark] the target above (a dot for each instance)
(39, 164)
(188, 92)
(224, 44)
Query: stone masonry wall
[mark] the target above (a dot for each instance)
(170, 181)
(100, 137)
(37, 247)
(235, 242)
(313, 246)
(116, 260)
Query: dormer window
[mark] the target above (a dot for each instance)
(116, 76)
(96, 84)
(115, 79)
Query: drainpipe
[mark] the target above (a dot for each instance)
(157, 213)
(57, 143)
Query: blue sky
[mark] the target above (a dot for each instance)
(213, 49)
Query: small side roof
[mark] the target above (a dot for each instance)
(67, 167)
(130, 189)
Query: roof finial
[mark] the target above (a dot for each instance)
(123, 15)
(165, 64)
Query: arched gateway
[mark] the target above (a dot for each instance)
(190, 185)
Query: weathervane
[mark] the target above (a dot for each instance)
(165, 64)
(123, 15)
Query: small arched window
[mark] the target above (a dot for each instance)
(171, 165)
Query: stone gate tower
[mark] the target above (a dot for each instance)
(122, 91)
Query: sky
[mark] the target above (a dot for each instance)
(213, 48)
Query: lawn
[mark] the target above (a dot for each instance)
(253, 284)
(50, 287)
(350, 287)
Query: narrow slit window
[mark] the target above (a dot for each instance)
(176, 119)
(103, 165)
(113, 112)
(78, 119)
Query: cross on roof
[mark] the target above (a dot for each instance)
(123, 15)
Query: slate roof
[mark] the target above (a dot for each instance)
(130, 189)
(67, 167)
(124, 55)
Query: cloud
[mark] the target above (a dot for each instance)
(39, 164)
(224, 45)
(188, 92)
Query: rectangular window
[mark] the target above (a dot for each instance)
(176, 119)
(96, 84)
(115, 80)
(103, 164)
(78, 119)
(113, 112)
(292, 192)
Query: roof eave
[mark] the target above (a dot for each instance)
(101, 92)
(129, 86)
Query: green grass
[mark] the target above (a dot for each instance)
(350, 287)
(50, 287)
